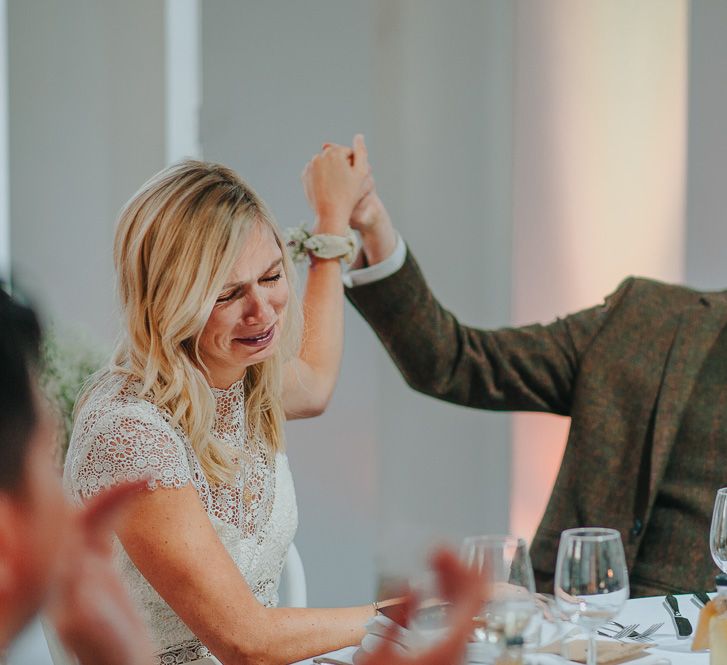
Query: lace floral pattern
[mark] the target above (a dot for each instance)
(119, 437)
(187, 652)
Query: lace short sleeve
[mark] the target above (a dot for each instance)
(124, 445)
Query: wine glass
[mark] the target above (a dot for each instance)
(591, 579)
(718, 531)
(430, 618)
(504, 620)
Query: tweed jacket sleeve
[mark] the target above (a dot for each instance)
(532, 368)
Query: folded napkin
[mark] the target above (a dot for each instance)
(609, 652)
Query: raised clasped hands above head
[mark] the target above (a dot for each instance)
(334, 181)
(338, 183)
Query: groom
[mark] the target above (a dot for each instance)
(642, 376)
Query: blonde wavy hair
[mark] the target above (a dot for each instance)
(177, 241)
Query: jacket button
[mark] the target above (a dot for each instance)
(637, 528)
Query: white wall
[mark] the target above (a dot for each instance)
(86, 129)
(384, 470)
(443, 108)
(706, 208)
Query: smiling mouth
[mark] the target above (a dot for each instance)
(263, 339)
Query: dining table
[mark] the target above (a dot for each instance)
(665, 648)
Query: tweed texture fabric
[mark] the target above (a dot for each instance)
(623, 371)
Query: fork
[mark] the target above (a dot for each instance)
(645, 635)
(620, 634)
(640, 636)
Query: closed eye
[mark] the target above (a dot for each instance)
(227, 297)
(270, 281)
(232, 291)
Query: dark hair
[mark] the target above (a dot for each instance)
(20, 337)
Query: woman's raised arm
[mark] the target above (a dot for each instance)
(334, 181)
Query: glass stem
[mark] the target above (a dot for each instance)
(591, 657)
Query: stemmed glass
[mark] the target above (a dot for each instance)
(511, 605)
(718, 531)
(591, 579)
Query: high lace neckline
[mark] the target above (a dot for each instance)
(230, 412)
(236, 387)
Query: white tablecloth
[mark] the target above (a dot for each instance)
(644, 611)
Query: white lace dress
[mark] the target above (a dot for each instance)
(118, 437)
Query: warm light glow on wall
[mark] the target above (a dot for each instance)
(599, 183)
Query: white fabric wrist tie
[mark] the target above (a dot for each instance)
(302, 244)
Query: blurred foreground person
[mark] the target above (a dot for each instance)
(52, 557)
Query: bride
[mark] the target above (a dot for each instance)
(209, 366)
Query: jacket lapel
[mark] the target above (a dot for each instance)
(697, 332)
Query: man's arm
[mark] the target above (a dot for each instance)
(528, 369)
(524, 369)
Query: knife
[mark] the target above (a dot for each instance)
(684, 628)
(702, 597)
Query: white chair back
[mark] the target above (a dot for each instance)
(293, 591)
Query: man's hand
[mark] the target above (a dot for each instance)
(371, 219)
(369, 213)
(90, 609)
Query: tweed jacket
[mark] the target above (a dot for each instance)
(623, 371)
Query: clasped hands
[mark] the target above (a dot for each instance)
(340, 189)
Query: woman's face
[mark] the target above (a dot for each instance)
(246, 321)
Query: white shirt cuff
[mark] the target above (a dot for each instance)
(380, 270)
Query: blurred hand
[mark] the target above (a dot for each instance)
(90, 609)
(334, 181)
(466, 589)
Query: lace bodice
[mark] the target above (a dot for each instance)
(118, 436)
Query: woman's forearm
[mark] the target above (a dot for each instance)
(171, 540)
(278, 636)
(334, 181)
(313, 378)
